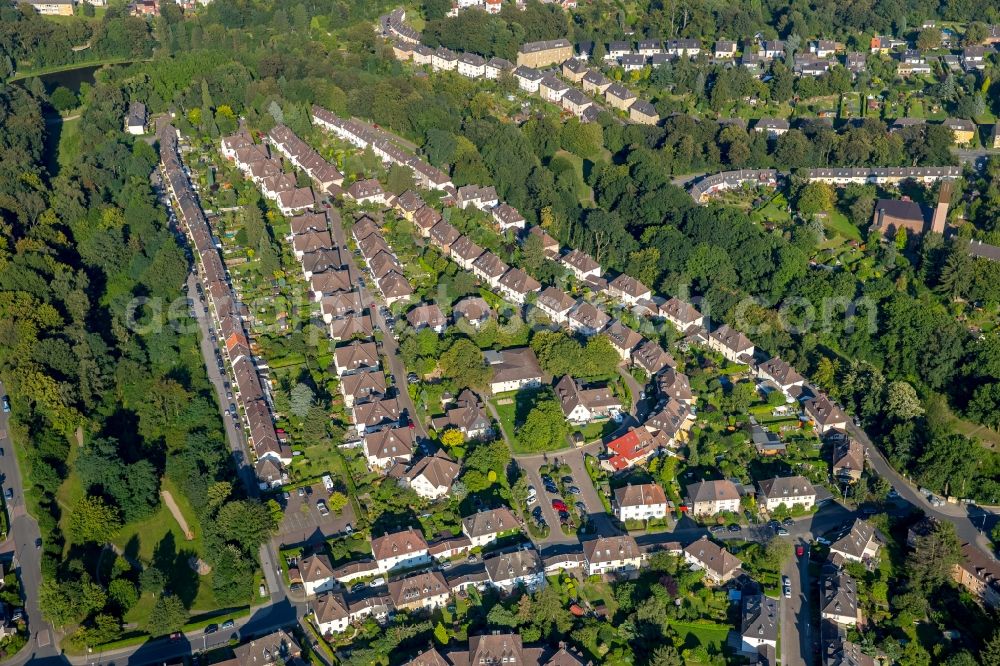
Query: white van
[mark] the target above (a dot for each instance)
(328, 483)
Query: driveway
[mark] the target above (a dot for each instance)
(302, 522)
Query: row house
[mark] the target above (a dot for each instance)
(486, 527)
(370, 417)
(521, 568)
(362, 386)
(400, 550)
(708, 498)
(733, 345)
(628, 290)
(623, 339)
(556, 304)
(489, 268)
(586, 319)
(483, 198)
(355, 357)
(464, 252)
(515, 285)
(507, 217)
(787, 491)
(528, 79)
(423, 591)
(581, 265)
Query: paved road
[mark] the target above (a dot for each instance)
(22, 538)
(390, 348)
(545, 498)
(797, 632)
(960, 515)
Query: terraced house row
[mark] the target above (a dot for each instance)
(251, 393)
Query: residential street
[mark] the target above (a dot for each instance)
(389, 346)
(797, 632)
(23, 537)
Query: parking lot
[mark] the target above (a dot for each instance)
(302, 522)
(595, 512)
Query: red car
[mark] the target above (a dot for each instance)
(559, 505)
(800, 550)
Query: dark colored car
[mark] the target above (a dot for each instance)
(735, 528)
(715, 529)
(6, 405)
(211, 629)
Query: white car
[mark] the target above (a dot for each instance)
(788, 591)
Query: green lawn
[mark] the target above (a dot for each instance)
(707, 635)
(584, 194)
(838, 223)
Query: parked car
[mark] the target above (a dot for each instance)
(788, 591)
(800, 550)
(536, 513)
(715, 529)
(6, 405)
(228, 624)
(321, 507)
(445, 566)
(782, 531)
(558, 505)
(574, 490)
(9, 494)
(358, 587)
(211, 629)
(787, 522)
(377, 582)
(472, 558)
(735, 528)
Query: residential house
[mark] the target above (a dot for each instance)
(623, 339)
(848, 461)
(782, 375)
(724, 49)
(135, 120)
(628, 290)
(544, 53)
(464, 252)
(552, 89)
(674, 385)
(485, 527)
(515, 285)
(489, 268)
(350, 327)
(330, 283)
(974, 57)
(586, 319)
(427, 315)
(431, 477)
(472, 309)
(528, 79)
(839, 598)
(860, 544)
(425, 218)
(732, 344)
(400, 550)
(444, 60)
(787, 491)
(650, 47)
(383, 448)
(633, 448)
(978, 574)
(823, 48)
(595, 83)
(483, 198)
(825, 414)
(617, 49)
(508, 571)
(496, 67)
(758, 623)
(856, 62)
(963, 131)
(394, 287)
(362, 386)
(669, 422)
(376, 415)
(771, 49)
(641, 501)
(619, 97)
(408, 203)
(316, 573)
(513, 369)
(355, 357)
(707, 498)
(307, 223)
(581, 265)
(507, 217)
(583, 405)
(276, 647)
(643, 112)
(366, 191)
(422, 591)
(550, 246)
(443, 234)
(608, 555)
(719, 565)
(774, 127)
(576, 102)
(679, 48)
(633, 62)
(574, 70)
(681, 314)
(471, 65)
(294, 201)
(652, 358)
(340, 304)
(555, 303)
(331, 614)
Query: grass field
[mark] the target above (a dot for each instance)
(710, 636)
(838, 223)
(584, 194)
